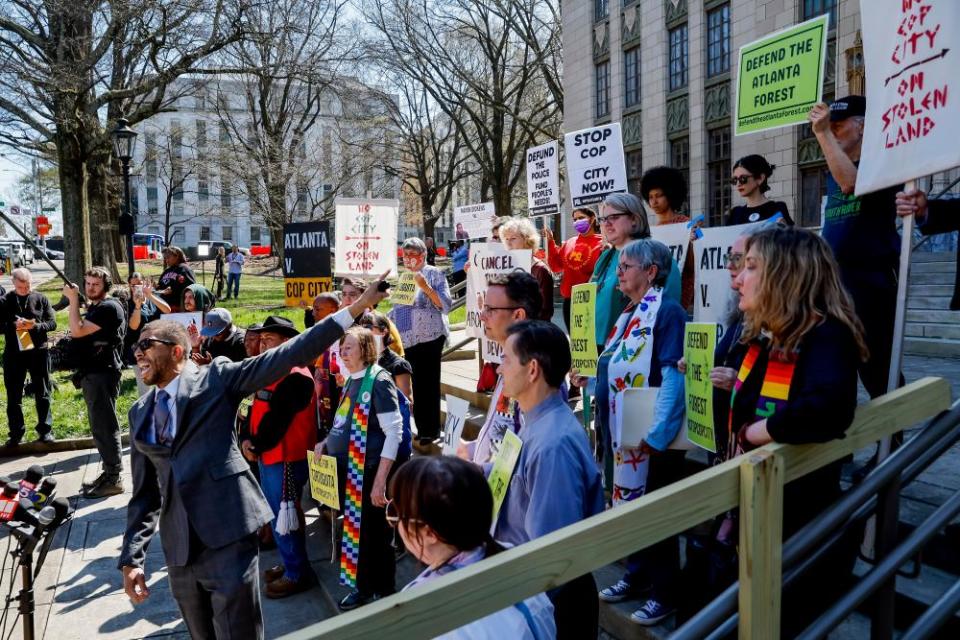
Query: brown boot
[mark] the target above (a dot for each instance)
(272, 574)
(284, 587)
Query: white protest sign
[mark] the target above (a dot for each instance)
(712, 295)
(186, 318)
(488, 259)
(676, 237)
(911, 50)
(595, 166)
(543, 179)
(453, 427)
(366, 237)
(474, 221)
(491, 351)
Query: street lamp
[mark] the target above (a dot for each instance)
(123, 140)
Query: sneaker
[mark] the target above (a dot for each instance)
(273, 573)
(110, 486)
(651, 613)
(46, 438)
(619, 592)
(355, 599)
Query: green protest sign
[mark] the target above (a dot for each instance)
(583, 347)
(699, 343)
(780, 77)
(502, 471)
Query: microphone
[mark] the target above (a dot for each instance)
(9, 504)
(53, 515)
(30, 481)
(48, 489)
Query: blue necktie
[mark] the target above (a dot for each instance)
(161, 418)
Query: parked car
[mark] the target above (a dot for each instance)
(53, 254)
(212, 246)
(18, 257)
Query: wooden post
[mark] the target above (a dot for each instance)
(761, 541)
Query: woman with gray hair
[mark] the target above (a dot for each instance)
(622, 220)
(642, 351)
(423, 330)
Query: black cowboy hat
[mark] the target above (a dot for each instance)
(277, 324)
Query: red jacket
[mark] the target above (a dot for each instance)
(576, 258)
(300, 435)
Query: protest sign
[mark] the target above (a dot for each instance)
(595, 166)
(453, 427)
(543, 179)
(306, 261)
(912, 50)
(711, 299)
(699, 344)
(583, 341)
(502, 471)
(491, 351)
(406, 289)
(780, 77)
(474, 221)
(366, 237)
(487, 259)
(323, 479)
(186, 318)
(676, 237)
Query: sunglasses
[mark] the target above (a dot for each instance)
(146, 343)
(735, 180)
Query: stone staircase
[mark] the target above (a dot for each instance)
(931, 328)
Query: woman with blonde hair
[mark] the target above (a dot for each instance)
(798, 381)
(520, 233)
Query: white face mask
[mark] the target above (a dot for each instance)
(378, 341)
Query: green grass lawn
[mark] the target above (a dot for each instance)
(260, 296)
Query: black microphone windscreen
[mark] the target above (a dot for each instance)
(11, 489)
(48, 485)
(34, 474)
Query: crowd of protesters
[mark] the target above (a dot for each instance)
(813, 313)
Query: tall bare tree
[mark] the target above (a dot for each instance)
(491, 69)
(65, 64)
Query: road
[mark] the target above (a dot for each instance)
(41, 273)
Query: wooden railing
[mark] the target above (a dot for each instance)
(753, 482)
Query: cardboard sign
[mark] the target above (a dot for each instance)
(366, 237)
(543, 179)
(474, 221)
(676, 237)
(583, 340)
(488, 259)
(491, 351)
(911, 51)
(780, 77)
(323, 480)
(595, 163)
(502, 471)
(306, 261)
(699, 344)
(405, 290)
(711, 298)
(453, 427)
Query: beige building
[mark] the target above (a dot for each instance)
(666, 70)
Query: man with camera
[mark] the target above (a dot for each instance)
(96, 345)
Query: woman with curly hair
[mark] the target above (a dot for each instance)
(665, 190)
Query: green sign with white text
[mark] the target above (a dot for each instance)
(780, 77)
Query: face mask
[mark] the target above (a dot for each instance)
(378, 341)
(411, 263)
(582, 225)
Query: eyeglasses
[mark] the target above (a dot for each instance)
(734, 260)
(611, 217)
(146, 343)
(623, 266)
(735, 180)
(392, 517)
(487, 309)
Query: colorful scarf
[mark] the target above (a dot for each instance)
(774, 391)
(353, 498)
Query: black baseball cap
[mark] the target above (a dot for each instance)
(847, 107)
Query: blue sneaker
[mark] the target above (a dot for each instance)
(618, 592)
(651, 613)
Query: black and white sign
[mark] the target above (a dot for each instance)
(595, 166)
(543, 179)
(474, 221)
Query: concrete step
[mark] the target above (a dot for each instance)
(931, 290)
(944, 266)
(939, 347)
(461, 354)
(933, 256)
(950, 331)
(944, 316)
(915, 595)
(931, 278)
(615, 618)
(933, 303)
(465, 388)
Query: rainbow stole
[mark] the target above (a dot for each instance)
(773, 392)
(353, 498)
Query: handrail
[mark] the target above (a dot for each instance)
(446, 353)
(907, 463)
(498, 582)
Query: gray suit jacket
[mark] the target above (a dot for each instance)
(203, 475)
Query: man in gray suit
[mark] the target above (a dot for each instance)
(188, 471)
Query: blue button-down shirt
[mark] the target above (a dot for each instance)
(556, 481)
(422, 321)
